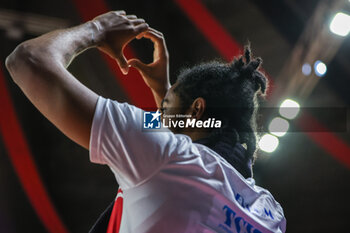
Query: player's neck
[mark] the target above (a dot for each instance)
(196, 135)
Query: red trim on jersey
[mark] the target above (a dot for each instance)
(116, 216)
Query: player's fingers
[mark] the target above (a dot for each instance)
(121, 12)
(142, 27)
(152, 30)
(122, 62)
(139, 36)
(136, 63)
(153, 35)
(158, 39)
(137, 21)
(131, 16)
(156, 31)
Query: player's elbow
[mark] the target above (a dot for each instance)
(10, 62)
(22, 58)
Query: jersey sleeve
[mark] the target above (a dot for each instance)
(117, 140)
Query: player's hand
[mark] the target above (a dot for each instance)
(115, 30)
(155, 74)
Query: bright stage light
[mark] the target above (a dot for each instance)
(340, 24)
(289, 109)
(268, 143)
(306, 69)
(279, 126)
(320, 68)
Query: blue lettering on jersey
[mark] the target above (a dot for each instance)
(240, 224)
(241, 201)
(268, 213)
(265, 213)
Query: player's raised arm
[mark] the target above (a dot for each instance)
(38, 67)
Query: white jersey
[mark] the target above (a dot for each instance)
(172, 185)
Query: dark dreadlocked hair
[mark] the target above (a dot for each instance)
(230, 91)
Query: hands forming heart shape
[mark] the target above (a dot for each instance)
(116, 29)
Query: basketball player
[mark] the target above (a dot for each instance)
(169, 182)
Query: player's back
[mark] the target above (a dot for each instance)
(198, 191)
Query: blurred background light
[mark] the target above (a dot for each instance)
(306, 69)
(268, 143)
(289, 109)
(340, 24)
(320, 68)
(279, 126)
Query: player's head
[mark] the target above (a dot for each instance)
(222, 91)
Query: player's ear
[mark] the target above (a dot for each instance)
(197, 108)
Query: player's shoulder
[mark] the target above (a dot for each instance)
(112, 104)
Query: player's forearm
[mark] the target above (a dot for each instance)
(159, 95)
(57, 48)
